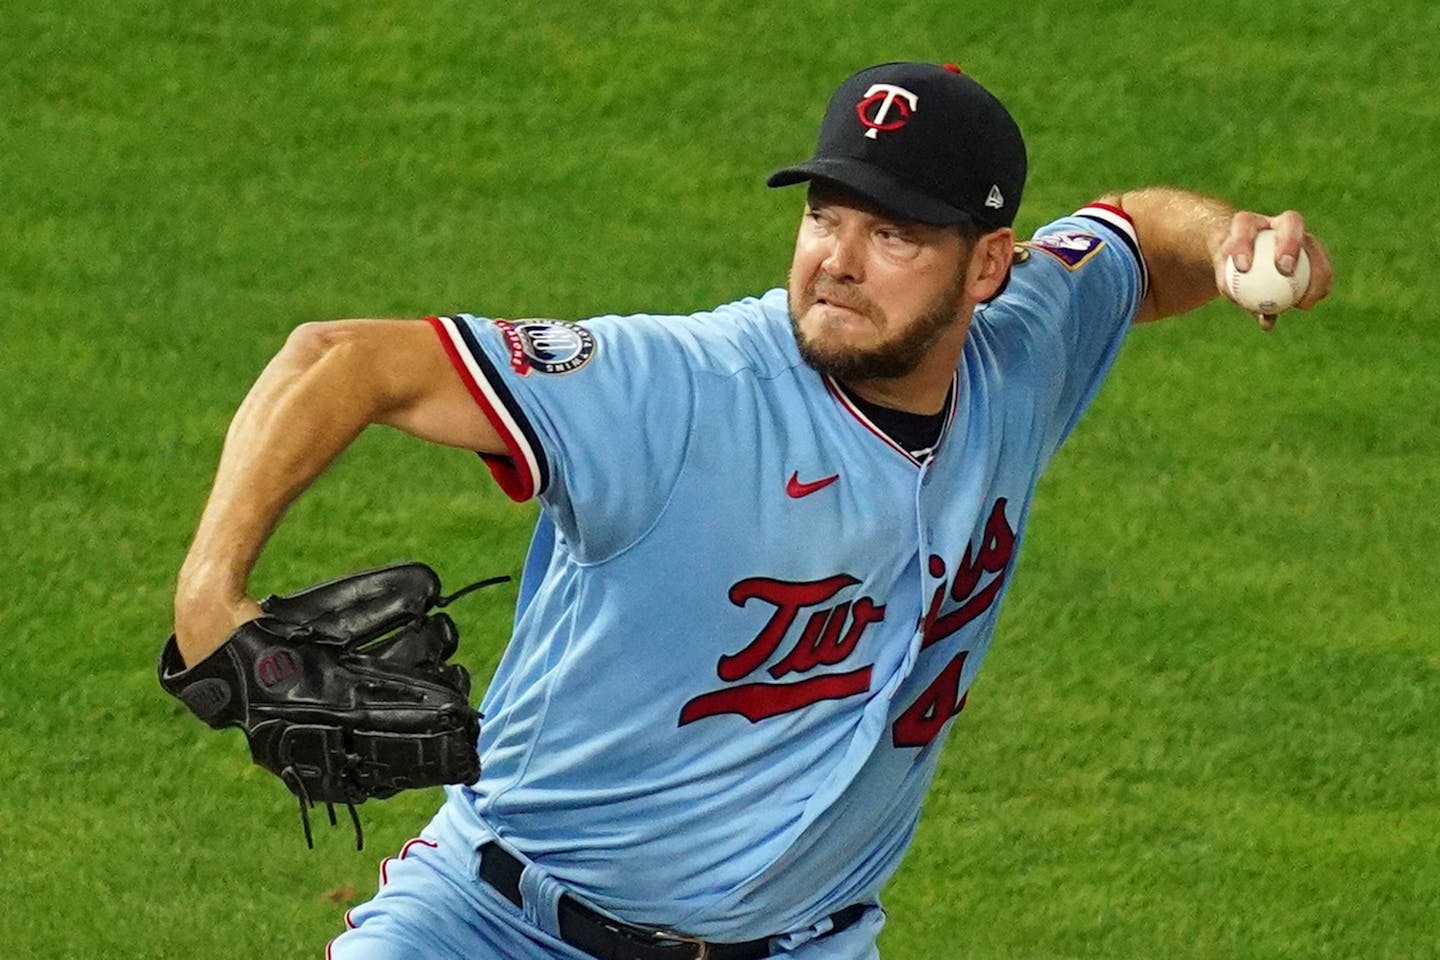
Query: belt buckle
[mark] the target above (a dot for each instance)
(702, 948)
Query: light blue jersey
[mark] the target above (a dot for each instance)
(748, 618)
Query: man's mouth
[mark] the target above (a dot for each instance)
(831, 302)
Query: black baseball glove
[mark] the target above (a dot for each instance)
(343, 690)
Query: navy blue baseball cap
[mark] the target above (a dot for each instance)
(922, 141)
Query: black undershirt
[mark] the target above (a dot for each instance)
(916, 432)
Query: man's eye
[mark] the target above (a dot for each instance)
(819, 219)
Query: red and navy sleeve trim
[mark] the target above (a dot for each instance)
(1120, 222)
(525, 472)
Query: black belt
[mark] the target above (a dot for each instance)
(607, 939)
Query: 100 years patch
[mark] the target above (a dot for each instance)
(546, 346)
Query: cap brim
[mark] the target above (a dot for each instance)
(872, 184)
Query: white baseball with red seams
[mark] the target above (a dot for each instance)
(1263, 288)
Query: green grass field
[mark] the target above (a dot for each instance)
(1211, 724)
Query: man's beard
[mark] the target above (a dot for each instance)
(887, 360)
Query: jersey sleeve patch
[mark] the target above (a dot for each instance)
(1073, 248)
(546, 346)
(525, 472)
(1119, 221)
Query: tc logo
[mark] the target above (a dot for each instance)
(876, 107)
(277, 669)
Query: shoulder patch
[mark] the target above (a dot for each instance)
(1073, 248)
(546, 346)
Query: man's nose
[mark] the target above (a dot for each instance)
(845, 260)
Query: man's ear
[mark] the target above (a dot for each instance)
(990, 265)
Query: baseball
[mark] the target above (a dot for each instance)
(1263, 288)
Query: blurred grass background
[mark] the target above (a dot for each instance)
(1210, 725)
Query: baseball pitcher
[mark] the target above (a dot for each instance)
(774, 541)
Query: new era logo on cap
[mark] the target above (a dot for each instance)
(925, 142)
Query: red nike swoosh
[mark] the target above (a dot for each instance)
(796, 489)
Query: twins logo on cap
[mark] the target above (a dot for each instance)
(887, 95)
